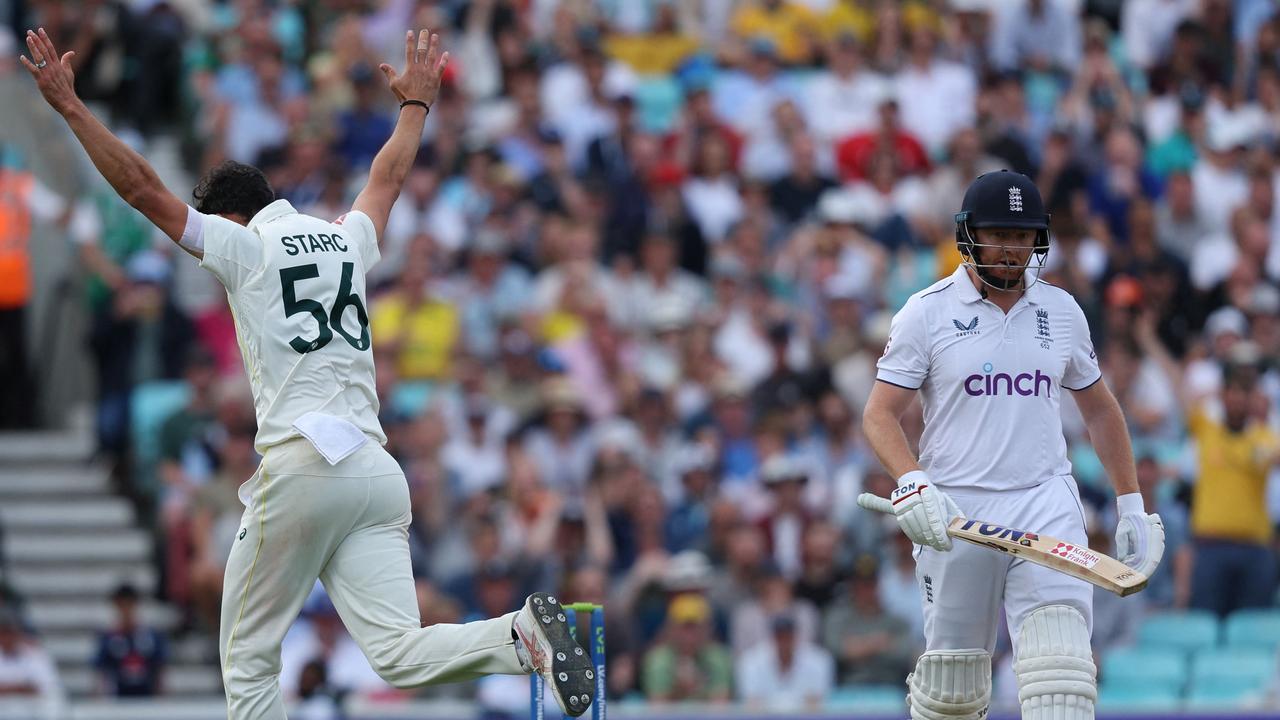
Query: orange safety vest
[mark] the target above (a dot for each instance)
(15, 234)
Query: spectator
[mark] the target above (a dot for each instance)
(784, 673)
(869, 645)
(820, 570)
(936, 96)
(144, 338)
(28, 677)
(561, 447)
(795, 194)
(1230, 530)
(131, 656)
(787, 24)
(413, 324)
(319, 637)
(687, 664)
(770, 596)
(1041, 34)
(842, 96)
(316, 699)
(216, 511)
(788, 519)
(1148, 27)
(711, 193)
(856, 153)
(690, 515)
(364, 128)
(1170, 586)
(1178, 225)
(23, 198)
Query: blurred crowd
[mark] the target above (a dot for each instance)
(633, 293)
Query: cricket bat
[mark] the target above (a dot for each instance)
(1074, 560)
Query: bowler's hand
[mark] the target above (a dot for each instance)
(53, 75)
(424, 66)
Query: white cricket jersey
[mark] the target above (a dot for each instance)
(296, 285)
(990, 383)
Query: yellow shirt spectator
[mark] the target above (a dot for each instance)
(422, 335)
(790, 26)
(849, 17)
(652, 54)
(1230, 494)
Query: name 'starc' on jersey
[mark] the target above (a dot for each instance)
(319, 242)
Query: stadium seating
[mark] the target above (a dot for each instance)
(1188, 631)
(1149, 668)
(1253, 628)
(865, 699)
(151, 404)
(1136, 698)
(1224, 696)
(1242, 668)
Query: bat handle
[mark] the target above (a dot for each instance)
(875, 502)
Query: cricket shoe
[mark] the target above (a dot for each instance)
(542, 631)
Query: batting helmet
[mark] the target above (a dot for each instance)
(1002, 199)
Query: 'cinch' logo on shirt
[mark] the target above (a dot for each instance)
(1024, 384)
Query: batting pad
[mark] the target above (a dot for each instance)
(950, 685)
(1056, 675)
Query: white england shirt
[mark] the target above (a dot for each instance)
(296, 286)
(990, 383)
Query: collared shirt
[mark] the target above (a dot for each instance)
(990, 382)
(296, 286)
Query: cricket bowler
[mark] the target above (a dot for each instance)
(327, 501)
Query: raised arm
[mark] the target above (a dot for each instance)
(127, 171)
(416, 90)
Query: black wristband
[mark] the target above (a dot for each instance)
(419, 103)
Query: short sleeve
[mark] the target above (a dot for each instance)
(905, 361)
(358, 228)
(232, 252)
(1082, 362)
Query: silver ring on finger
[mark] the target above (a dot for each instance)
(40, 65)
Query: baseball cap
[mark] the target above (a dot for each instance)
(687, 570)
(781, 468)
(1226, 320)
(689, 608)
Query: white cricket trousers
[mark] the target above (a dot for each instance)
(346, 524)
(963, 590)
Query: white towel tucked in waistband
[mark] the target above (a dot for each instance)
(333, 437)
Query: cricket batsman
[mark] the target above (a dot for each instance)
(327, 501)
(990, 350)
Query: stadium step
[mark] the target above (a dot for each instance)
(77, 647)
(66, 541)
(95, 614)
(55, 481)
(50, 582)
(45, 446)
(94, 511)
(50, 546)
(179, 680)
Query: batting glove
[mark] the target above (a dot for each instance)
(1139, 535)
(923, 511)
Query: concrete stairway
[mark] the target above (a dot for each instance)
(67, 541)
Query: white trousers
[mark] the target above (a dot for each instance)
(346, 524)
(964, 589)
